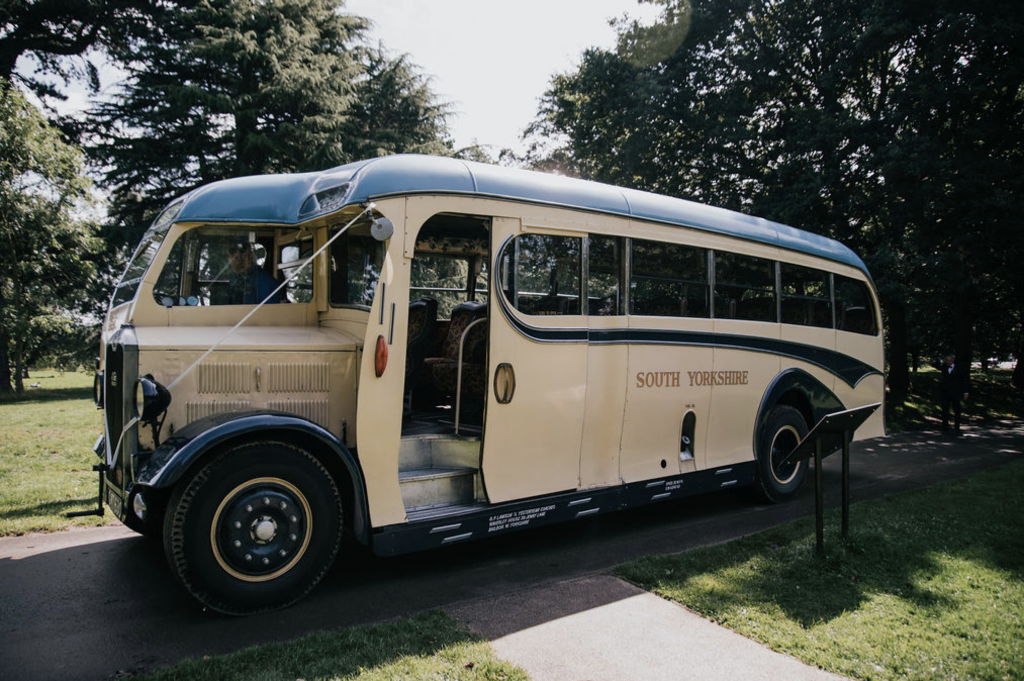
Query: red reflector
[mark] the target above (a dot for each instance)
(380, 356)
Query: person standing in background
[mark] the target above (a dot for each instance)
(952, 389)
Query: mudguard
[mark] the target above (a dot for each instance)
(169, 462)
(815, 401)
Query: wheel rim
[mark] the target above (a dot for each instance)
(785, 440)
(261, 529)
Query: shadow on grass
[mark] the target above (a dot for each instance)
(431, 645)
(54, 508)
(898, 546)
(48, 395)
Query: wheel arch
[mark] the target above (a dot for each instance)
(202, 440)
(798, 389)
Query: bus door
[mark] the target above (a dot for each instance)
(538, 364)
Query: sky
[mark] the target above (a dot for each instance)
(493, 60)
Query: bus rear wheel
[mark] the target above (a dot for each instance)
(254, 529)
(783, 430)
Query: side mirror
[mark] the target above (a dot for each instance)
(382, 228)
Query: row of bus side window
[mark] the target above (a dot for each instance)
(540, 275)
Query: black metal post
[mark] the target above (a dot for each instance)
(101, 469)
(846, 484)
(819, 500)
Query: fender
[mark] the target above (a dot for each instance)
(820, 401)
(168, 463)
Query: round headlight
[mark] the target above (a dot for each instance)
(151, 399)
(97, 389)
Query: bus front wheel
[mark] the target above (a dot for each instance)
(784, 429)
(254, 529)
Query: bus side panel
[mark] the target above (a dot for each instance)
(602, 424)
(869, 389)
(739, 380)
(658, 396)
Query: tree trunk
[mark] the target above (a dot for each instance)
(5, 363)
(19, 366)
(899, 374)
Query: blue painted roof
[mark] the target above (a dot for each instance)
(285, 199)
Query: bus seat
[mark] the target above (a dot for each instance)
(443, 370)
(422, 322)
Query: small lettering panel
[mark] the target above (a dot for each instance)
(692, 379)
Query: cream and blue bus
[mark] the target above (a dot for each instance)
(410, 352)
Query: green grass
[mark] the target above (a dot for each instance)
(430, 646)
(928, 586)
(46, 457)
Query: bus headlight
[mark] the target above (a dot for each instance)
(151, 399)
(139, 507)
(97, 389)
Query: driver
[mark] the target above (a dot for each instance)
(250, 283)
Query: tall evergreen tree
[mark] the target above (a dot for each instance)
(240, 87)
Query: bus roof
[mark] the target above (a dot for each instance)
(292, 198)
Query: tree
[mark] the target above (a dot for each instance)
(58, 34)
(44, 266)
(895, 127)
(240, 87)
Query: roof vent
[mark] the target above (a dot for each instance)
(325, 201)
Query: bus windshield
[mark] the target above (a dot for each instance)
(128, 285)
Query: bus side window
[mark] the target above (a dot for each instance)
(356, 260)
(855, 310)
(744, 287)
(542, 274)
(604, 273)
(806, 299)
(668, 280)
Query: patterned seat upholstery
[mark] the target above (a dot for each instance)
(422, 322)
(443, 370)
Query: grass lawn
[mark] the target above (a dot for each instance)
(46, 457)
(930, 584)
(430, 646)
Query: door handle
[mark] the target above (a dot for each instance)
(504, 383)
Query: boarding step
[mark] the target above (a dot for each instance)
(438, 451)
(444, 512)
(437, 486)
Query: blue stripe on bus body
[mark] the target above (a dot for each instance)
(851, 370)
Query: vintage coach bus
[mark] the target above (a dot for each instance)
(410, 352)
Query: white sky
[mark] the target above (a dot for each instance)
(493, 60)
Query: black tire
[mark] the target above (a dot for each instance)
(783, 430)
(254, 529)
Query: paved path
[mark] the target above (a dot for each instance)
(91, 604)
(600, 628)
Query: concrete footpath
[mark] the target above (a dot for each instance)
(600, 628)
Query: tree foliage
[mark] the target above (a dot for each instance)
(44, 266)
(895, 127)
(58, 34)
(241, 87)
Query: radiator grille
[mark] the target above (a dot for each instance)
(313, 410)
(224, 377)
(197, 410)
(298, 378)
